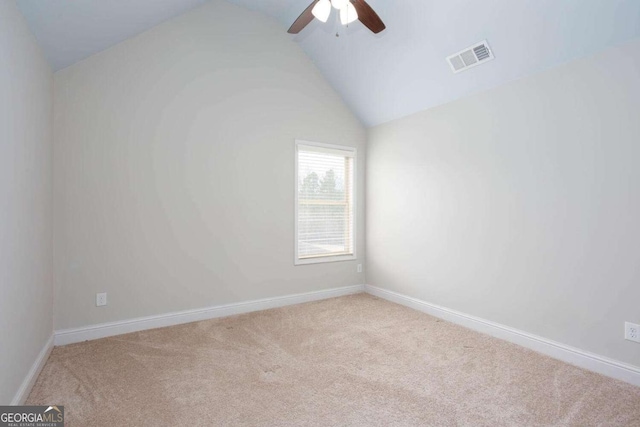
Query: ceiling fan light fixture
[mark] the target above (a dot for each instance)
(322, 10)
(350, 10)
(340, 4)
(348, 14)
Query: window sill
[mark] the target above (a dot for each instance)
(324, 259)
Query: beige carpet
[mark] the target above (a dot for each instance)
(355, 360)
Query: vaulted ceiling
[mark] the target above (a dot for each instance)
(381, 77)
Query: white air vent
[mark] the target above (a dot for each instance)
(474, 55)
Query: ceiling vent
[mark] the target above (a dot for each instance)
(474, 55)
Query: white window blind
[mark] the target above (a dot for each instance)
(324, 203)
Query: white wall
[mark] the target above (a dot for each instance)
(26, 89)
(174, 180)
(519, 205)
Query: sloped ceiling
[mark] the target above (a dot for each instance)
(386, 76)
(71, 30)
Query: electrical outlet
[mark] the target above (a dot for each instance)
(359, 268)
(101, 299)
(631, 332)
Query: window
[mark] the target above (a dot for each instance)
(325, 193)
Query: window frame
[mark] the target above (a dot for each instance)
(354, 232)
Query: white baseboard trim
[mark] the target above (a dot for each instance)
(32, 375)
(583, 359)
(70, 336)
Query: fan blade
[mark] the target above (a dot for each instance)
(368, 16)
(303, 20)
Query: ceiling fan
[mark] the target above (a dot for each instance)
(350, 10)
